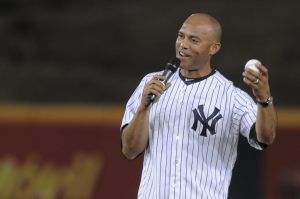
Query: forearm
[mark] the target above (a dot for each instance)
(266, 124)
(135, 135)
(266, 121)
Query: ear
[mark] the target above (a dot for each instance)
(214, 48)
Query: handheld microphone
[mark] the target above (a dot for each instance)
(170, 69)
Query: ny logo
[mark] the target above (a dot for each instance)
(199, 116)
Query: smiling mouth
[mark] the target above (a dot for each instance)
(182, 54)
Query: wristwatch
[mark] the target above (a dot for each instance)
(265, 103)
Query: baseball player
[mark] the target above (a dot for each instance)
(189, 134)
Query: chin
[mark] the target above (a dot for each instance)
(185, 64)
(185, 67)
(189, 67)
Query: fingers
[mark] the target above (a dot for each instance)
(167, 85)
(263, 70)
(253, 78)
(253, 84)
(156, 83)
(155, 87)
(258, 81)
(159, 77)
(155, 91)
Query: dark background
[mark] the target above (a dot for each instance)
(95, 52)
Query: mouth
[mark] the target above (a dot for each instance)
(183, 54)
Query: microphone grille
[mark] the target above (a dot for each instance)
(173, 64)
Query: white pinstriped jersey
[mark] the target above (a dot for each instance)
(193, 137)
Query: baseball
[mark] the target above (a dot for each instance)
(251, 64)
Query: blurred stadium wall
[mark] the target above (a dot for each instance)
(64, 152)
(73, 152)
(67, 68)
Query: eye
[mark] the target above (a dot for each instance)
(180, 35)
(195, 40)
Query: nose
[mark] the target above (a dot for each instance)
(182, 44)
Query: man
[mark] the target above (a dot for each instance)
(189, 135)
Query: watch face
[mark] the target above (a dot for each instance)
(266, 103)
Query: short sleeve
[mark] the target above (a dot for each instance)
(245, 110)
(134, 101)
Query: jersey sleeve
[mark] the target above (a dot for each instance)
(245, 110)
(134, 101)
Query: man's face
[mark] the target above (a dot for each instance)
(193, 45)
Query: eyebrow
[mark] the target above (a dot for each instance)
(194, 37)
(188, 35)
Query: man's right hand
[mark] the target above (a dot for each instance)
(154, 86)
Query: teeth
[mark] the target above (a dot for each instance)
(181, 53)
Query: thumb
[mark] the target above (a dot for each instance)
(167, 85)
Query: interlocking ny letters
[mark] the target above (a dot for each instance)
(199, 116)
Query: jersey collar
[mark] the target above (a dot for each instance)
(189, 81)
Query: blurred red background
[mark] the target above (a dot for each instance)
(73, 152)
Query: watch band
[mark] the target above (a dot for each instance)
(265, 103)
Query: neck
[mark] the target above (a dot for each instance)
(197, 73)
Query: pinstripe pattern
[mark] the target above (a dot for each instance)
(180, 163)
